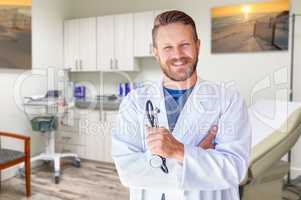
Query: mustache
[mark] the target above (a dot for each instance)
(181, 59)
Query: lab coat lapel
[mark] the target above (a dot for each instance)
(163, 116)
(199, 103)
(192, 108)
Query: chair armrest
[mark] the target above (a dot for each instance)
(26, 140)
(14, 135)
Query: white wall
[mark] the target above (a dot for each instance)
(245, 69)
(296, 170)
(47, 40)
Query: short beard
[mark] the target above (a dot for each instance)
(189, 72)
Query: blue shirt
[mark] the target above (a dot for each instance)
(176, 94)
(174, 103)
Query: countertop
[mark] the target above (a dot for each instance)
(93, 104)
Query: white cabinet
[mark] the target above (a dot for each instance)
(143, 26)
(105, 42)
(93, 130)
(143, 23)
(115, 43)
(108, 43)
(87, 43)
(89, 135)
(111, 123)
(124, 42)
(98, 135)
(71, 44)
(80, 44)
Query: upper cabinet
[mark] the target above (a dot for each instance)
(143, 23)
(87, 43)
(105, 42)
(124, 42)
(108, 43)
(115, 43)
(80, 44)
(71, 44)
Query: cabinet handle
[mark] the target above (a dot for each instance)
(81, 64)
(116, 63)
(111, 63)
(102, 115)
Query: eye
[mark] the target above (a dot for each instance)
(167, 48)
(185, 45)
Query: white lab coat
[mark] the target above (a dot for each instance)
(212, 174)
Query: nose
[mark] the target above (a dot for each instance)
(178, 53)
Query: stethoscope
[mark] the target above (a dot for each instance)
(156, 161)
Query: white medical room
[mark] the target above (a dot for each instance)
(150, 100)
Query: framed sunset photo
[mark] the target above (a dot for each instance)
(252, 27)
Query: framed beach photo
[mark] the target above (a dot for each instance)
(252, 27)
(15, 34)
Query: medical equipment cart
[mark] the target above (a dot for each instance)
(44, 117)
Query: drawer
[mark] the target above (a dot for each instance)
(69, 137)
(74, 127)
(95, 146)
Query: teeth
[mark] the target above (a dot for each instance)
(178, 63)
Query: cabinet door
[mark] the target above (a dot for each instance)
(71, 44)
(94, 137)
(69, 137)
(124, 44)
(143, 24)
(87, 43)
(111, 124)
(105, 42)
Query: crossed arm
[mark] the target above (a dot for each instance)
(161, 142)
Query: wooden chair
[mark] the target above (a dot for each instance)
(9, 158)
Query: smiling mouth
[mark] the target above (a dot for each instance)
(179, 64)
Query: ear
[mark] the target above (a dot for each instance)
(156, 53)
(198, 45)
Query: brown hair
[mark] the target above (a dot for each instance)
(169, 17)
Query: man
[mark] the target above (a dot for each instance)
(187, 107)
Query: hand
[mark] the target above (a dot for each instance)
(209, 139)
(161, 142)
